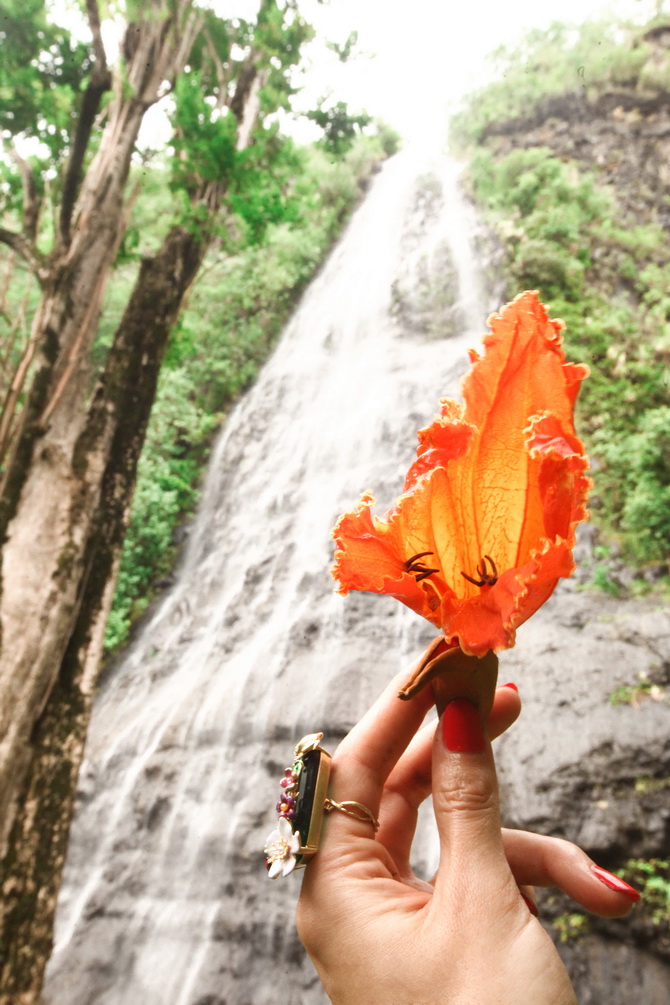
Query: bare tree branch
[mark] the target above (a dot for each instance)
(101, 81)
(156, 50)
(222, 77)
(31, 198)
(243, 87)
(26, 250)
(8, 413)
(250, 110)
(100, 69)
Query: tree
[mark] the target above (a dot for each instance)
(340, 127)
(71, 431)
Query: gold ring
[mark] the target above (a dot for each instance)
(302, 804)
(353, 809)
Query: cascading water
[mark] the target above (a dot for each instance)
(165, 898)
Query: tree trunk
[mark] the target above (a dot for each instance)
(51, 487)
(110, 442)
(69, 477)
(65, 496)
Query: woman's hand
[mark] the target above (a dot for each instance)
(377, 934)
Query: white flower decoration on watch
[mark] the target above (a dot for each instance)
(281, 848)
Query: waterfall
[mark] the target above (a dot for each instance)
(165, 899)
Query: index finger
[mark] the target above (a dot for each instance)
(368, 754)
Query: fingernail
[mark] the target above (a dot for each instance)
(614, 883)
(513, 686)
(461, 727)
(530, 904)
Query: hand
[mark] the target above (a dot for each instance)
(379, 935)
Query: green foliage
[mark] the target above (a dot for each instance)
(640, 464)
(347, 49)
(268, 213)
(561, 61)
(205, 138)
(652, 878)
(166, 487)
(609, 283)
(261, 191)
(630, 694)
(340, 127)
(43, 71)
(570, 927)
(644, 785)
(602, 580)
(606, 275)
(387, 137)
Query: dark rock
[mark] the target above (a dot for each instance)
(614, 973)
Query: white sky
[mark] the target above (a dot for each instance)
(419, 56)
(427, 53)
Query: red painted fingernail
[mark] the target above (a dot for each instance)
(614, 883)
(530, 904)
(461, 727)
(513, 686)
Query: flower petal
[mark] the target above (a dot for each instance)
(521, 374)
(446, 438)
(485, 525)
(372, 555)
(276, 869)
(271, 841)
(288, 865)
(488, 621)
(562, 484)
(285, 829)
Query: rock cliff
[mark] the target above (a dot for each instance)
(622, 133)
(596, 768)
(590, 761)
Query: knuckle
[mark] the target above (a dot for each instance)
(471, 798)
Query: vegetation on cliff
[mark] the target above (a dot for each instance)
(567, 157)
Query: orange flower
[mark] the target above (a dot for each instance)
(485, 525)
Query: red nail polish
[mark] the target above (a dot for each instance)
(614, 883)
(513, 686)
(461, 727)
(530, 904)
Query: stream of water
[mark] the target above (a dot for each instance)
(165, 898)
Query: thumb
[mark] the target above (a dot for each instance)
(465, 799)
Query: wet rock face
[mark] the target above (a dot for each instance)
(585, 765)
(585, 649)
(610, 973)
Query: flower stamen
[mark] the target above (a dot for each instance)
(417, 568)
(486, 578)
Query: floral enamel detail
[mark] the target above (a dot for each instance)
(281, 848)
(289, 784)
(301, 805)
(485, 525)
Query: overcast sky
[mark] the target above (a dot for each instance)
(425, 53)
